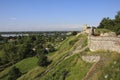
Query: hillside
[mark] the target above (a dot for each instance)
(67, 64)
(64, 51)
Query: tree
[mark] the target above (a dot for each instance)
(10, 51)
(39, 50)
(0, 61)
(14, 73)
(117, 29)
(1, 38)
(26, 50)
(111, 24)
(74, 33)
(51, 48)
(42, 60)
(106, 23)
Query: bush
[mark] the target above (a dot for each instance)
(42, 60)
(74, 33)
(72, 42)
(51, 48)
(14, 73)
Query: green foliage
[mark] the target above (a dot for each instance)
(111, 24)
(21, 49)
(10, 51)
(72, 42)
(72, 68)
(3, 57)
(0, 61)
(40, 50)
(63, 48)
(112, 70)
(98, 31)
(24, 66)
(117, 29)
(109, 66)
(42, 61)
(51, 48)
(85, 40)
(14, 73)
(74, 33)
(27, 64)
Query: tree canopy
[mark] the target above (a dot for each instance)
(14, 73)
(111, 24)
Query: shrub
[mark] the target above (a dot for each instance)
(74, 33)
(51, 48)
(14, 73)
(72, 42)
(42, 60)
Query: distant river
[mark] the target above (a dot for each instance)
(13, 35)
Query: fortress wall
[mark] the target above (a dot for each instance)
(104, 43)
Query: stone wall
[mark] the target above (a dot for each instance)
(104, 43)
(91, 59)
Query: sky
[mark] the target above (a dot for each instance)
(54, 15)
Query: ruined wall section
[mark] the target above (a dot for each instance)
(91, 58)
(104, 43)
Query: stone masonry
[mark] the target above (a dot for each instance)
(104, 43)
(91, 58)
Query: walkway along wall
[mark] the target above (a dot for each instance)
(104, 43)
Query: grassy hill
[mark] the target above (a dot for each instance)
(24, 66)
(108, 68)
(64, 49)
(72, 68)
(67, 64)
(29, 65)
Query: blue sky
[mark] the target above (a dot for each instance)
(43, 15)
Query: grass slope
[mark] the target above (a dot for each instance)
(25, 65)
(74, 65)
(64, 48)
(109, 67)
(72, 68)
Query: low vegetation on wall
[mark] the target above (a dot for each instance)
(99, 31)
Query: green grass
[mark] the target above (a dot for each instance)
(110, 66)
(98, 31)
(75, 68)
(31, 70)
(25, 65)
(62, 50)
(32, 73)
(30, 63)
(2, 55)
(85, 40)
